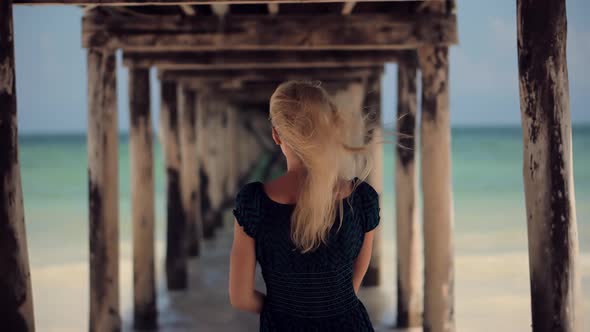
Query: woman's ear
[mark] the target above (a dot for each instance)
(275, 136)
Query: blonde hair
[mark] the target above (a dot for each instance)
(331, 144)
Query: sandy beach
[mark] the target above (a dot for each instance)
(492, 293)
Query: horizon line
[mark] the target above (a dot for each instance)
(126, 132)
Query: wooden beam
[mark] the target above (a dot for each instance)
(271, 75)
(103, 191)
(264, 32)
(348, 7)
(145, 315)
(437, 191)
(180, 2)
(253, 92)
(16, 304)
(409, 311)
(262, 59)
(176, 248)
(556, 296)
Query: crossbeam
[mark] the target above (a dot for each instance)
(263, 59)
(250, 92)
(180, 2)
(268, 75)
(266, 32)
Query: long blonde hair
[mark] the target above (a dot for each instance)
(331, 144)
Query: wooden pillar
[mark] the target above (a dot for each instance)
(103, 187)
(211, 154)
(221, 162)
(203, 138)
(406, 191)
(190, 167)
(373, 106)
(142, 192)
(217, 157)
(16, 297)
(176, 244)
(547, 166)
(232, 151)
(437, 191)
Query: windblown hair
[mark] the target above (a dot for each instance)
(331, 144)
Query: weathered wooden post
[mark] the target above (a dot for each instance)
(142, 190)
(366, 98)
(203, 138)
(547, 166)
(103, 187)
(176, 240)
(16, 296)
(232, 151)
(437, 190)
(217, 160)
(372, 107)
(406, 191)
(210, 139)
(373, 275)
(190, 167)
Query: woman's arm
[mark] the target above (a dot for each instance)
(242, 268)
(361, 264)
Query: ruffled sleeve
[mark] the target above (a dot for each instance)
(370, 207)
(247, 209)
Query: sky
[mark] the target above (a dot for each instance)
(51, 68)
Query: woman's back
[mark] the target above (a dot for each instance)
(312, 290)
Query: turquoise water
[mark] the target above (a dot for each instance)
(491, 265)
(487, 182)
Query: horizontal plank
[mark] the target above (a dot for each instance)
(251, 92)
(263, 59)
(180, 2)
(264, 32)
(273, 75)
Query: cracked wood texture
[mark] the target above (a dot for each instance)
(437, 191)
(547, 166)
(409, 310)
(190, 167)
(103, 186)
(262, 32)
(261, 59)
(16, 297)
(142, 191)
(176, 239)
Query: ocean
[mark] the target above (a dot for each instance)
(491, 266)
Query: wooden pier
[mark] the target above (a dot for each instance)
(218, 63)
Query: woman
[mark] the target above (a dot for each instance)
(311, 229)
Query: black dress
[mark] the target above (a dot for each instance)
(311, 291)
